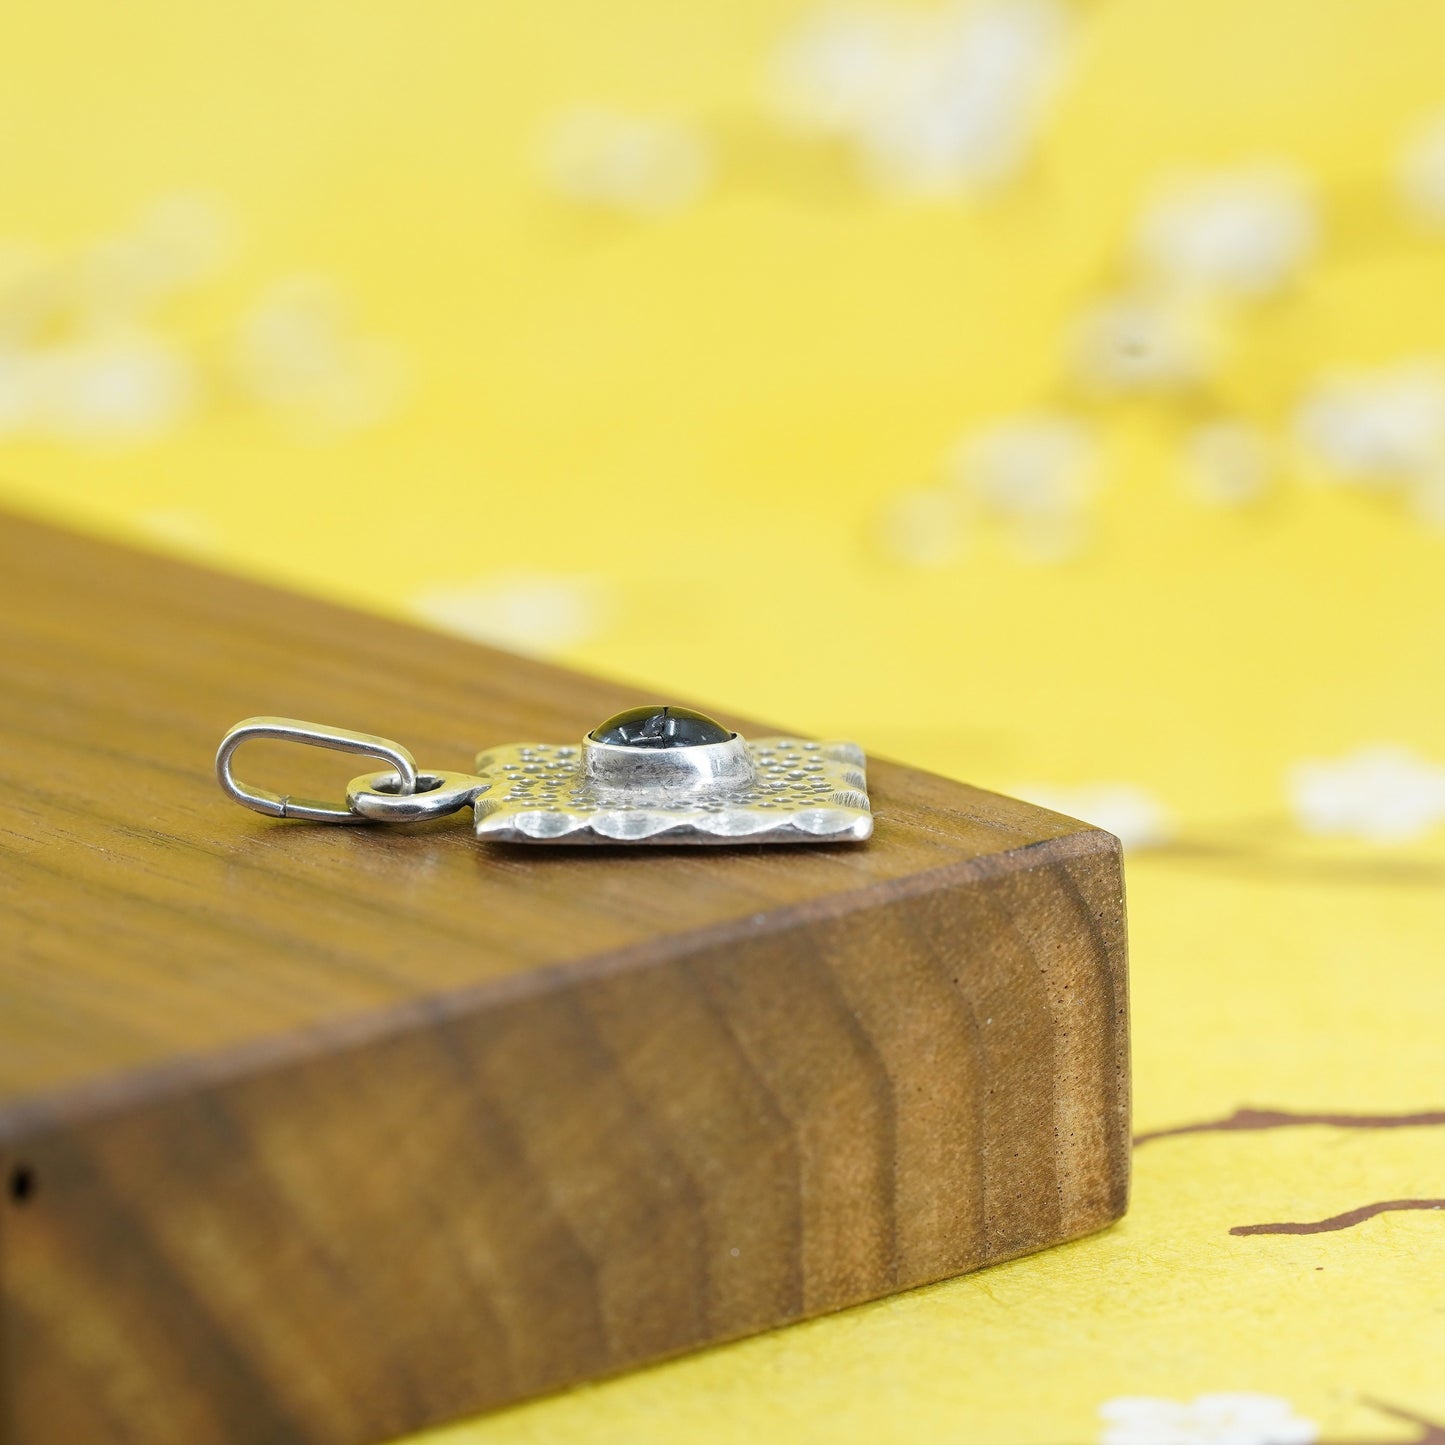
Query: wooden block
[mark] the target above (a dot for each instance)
(321, 1135)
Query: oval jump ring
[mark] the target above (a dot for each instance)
(289, 729)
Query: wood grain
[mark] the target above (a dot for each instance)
(322, 1135)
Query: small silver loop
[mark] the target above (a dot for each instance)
(377, 796)
(293, 730)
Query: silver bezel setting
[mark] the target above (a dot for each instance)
(625, 770)
(771, 790)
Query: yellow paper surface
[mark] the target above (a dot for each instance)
(659, 444)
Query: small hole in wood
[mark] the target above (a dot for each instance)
(22, 1184)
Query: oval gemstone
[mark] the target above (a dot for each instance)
(660, 727)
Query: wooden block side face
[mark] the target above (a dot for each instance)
(545, 1191)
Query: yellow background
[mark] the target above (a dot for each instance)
(705, 411)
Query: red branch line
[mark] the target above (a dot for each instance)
(1340, 1221)
(1247, 1119)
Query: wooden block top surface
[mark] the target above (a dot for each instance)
(152, 926)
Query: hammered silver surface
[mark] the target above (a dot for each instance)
(805, 792)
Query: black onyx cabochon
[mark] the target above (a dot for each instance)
(660, 727)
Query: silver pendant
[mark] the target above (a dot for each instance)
(661, 775)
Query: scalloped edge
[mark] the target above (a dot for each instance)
(845, 815)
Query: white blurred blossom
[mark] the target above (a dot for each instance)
(126, 387)
(83, 357)
(1144, 343)
(177, 242)
(533, 612)
(629, 163)
(1132, 814)
(1382, 794)
(1228, 463)
(1243, 233)
(1035, 475)
(1421, 173)
(90, 354)
(1379, 428)
(117, 387)
(1218, 1419)
(923, 527)
(299, 352)
(116, 282)
(931, 101)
